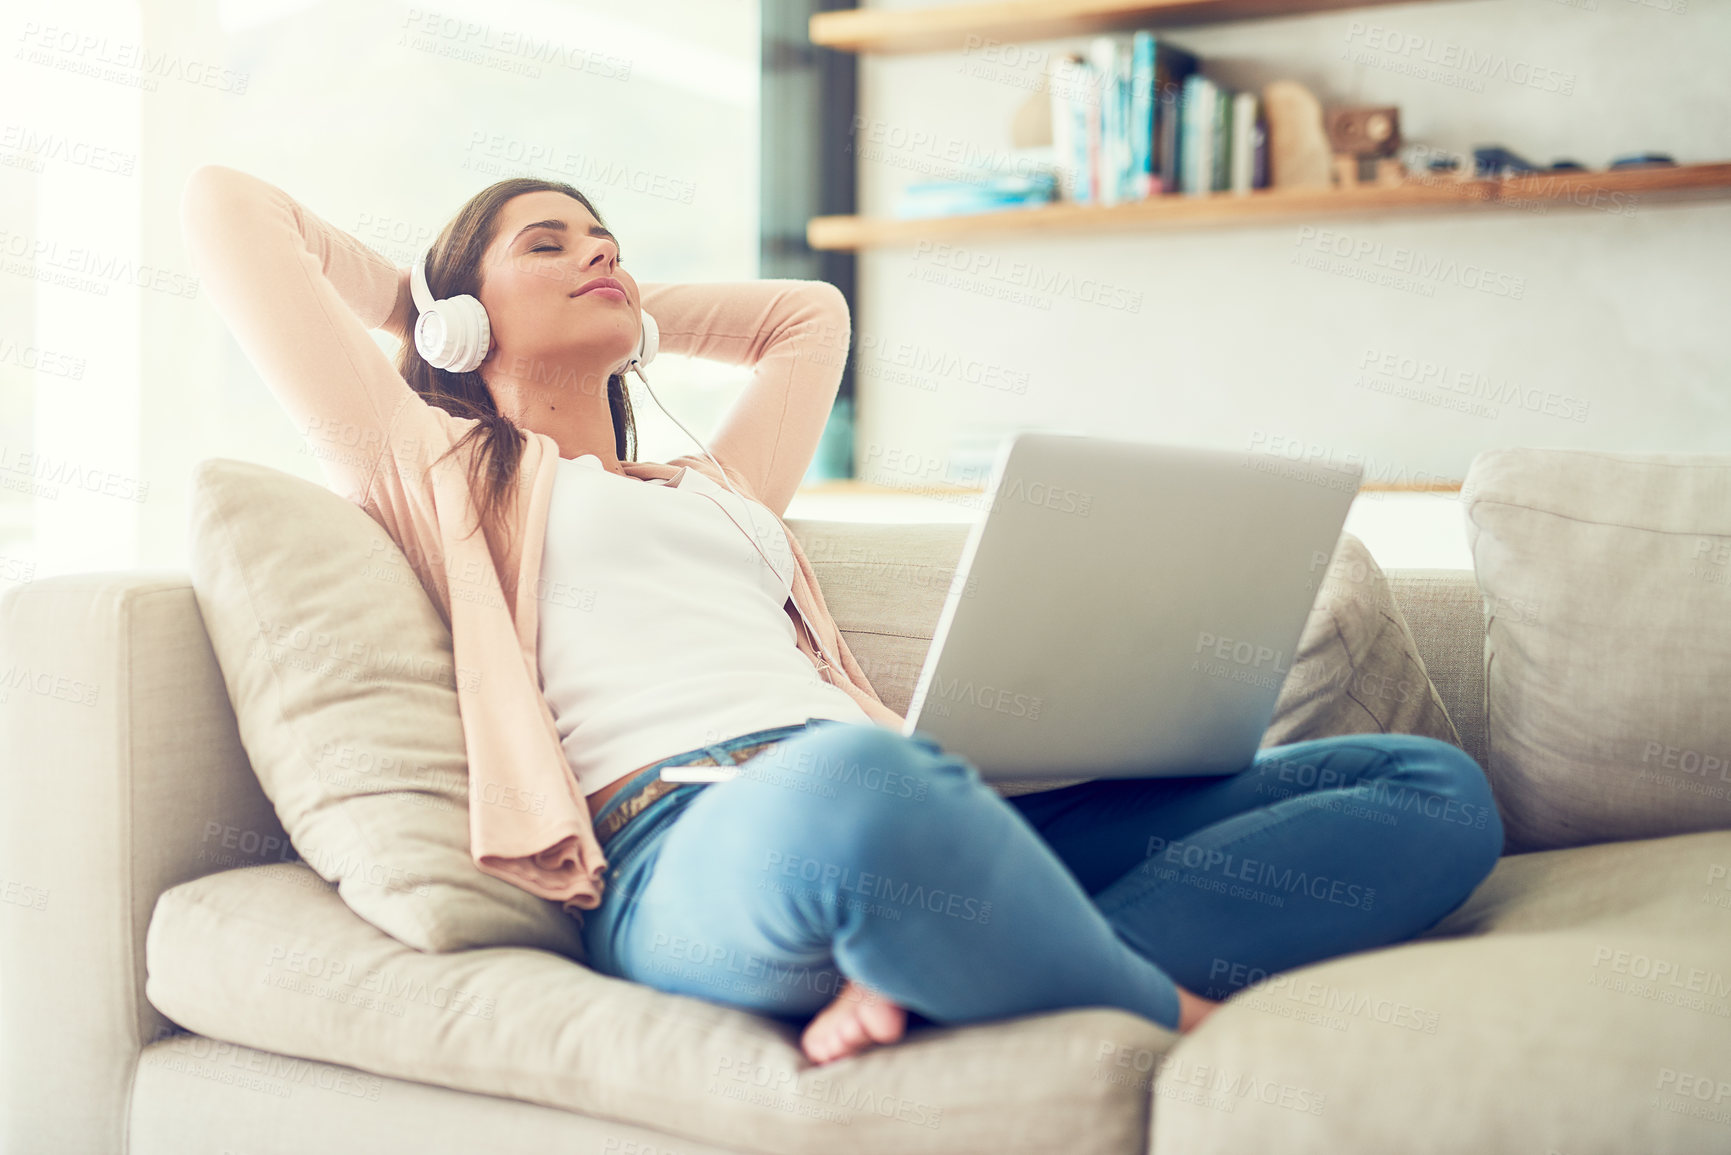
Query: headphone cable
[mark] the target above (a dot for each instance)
(811, 633)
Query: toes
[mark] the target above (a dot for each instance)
(858, 1018)
(885, 1022)
(834, 1035)
(818, 1039)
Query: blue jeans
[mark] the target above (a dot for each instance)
(848, 849)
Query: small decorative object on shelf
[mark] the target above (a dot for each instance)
(1643, 160)
(1298, 153)
(1495, 160)
(1427, 164)
(1365, 141)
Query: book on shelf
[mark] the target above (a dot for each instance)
(1072, 85)
(1220, 135)
(1061, 79)
(1108, 159)
(984, 192)
(1196, 141)
(1172, 67)
(1246, 140)
(1141, 124)
(1091, 139)
(1136, 117)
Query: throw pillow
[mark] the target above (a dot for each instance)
(341, 674)
(1606, 580)
(1356, 669)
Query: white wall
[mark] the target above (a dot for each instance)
(72, 472)
(1622, 315)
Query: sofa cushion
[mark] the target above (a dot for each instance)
(1356, 669)
(1579, 1000)
(269, 957)
(194, 1095)
(1445, 616)
(1607, 589)
(341, 675)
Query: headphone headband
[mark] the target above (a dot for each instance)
(418, 282)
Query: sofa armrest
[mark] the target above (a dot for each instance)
(121, 775)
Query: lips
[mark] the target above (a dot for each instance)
(610, 288)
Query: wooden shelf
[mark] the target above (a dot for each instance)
(1623, 191)
(948, 27)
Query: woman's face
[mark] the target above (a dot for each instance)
(551, 321)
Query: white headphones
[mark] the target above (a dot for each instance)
(453, 334)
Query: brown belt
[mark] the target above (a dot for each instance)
(635, 805)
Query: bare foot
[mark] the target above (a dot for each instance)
(858, 1018)
(1192, 1009)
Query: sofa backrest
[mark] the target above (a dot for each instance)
(886, 584)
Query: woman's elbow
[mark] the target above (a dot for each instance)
(208, 186)
(831, 300)
(829, 307)
(216, 200)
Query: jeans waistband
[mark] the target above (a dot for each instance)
(718, 753)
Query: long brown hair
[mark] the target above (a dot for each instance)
(454, 268)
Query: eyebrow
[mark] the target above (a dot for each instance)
(560, 226)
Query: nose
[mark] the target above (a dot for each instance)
(603, 256)
(598, 260)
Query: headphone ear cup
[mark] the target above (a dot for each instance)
(454, 334)
(650, 343)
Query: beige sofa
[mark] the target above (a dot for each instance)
(1577, 1002)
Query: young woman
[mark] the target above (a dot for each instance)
(847, 874)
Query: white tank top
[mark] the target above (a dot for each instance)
(660, 628)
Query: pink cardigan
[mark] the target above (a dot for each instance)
(300, 294)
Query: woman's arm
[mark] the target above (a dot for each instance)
(299, 295)
(794, 335)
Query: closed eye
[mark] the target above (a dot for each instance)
(555, 248)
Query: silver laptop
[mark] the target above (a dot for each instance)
(1127, 609)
